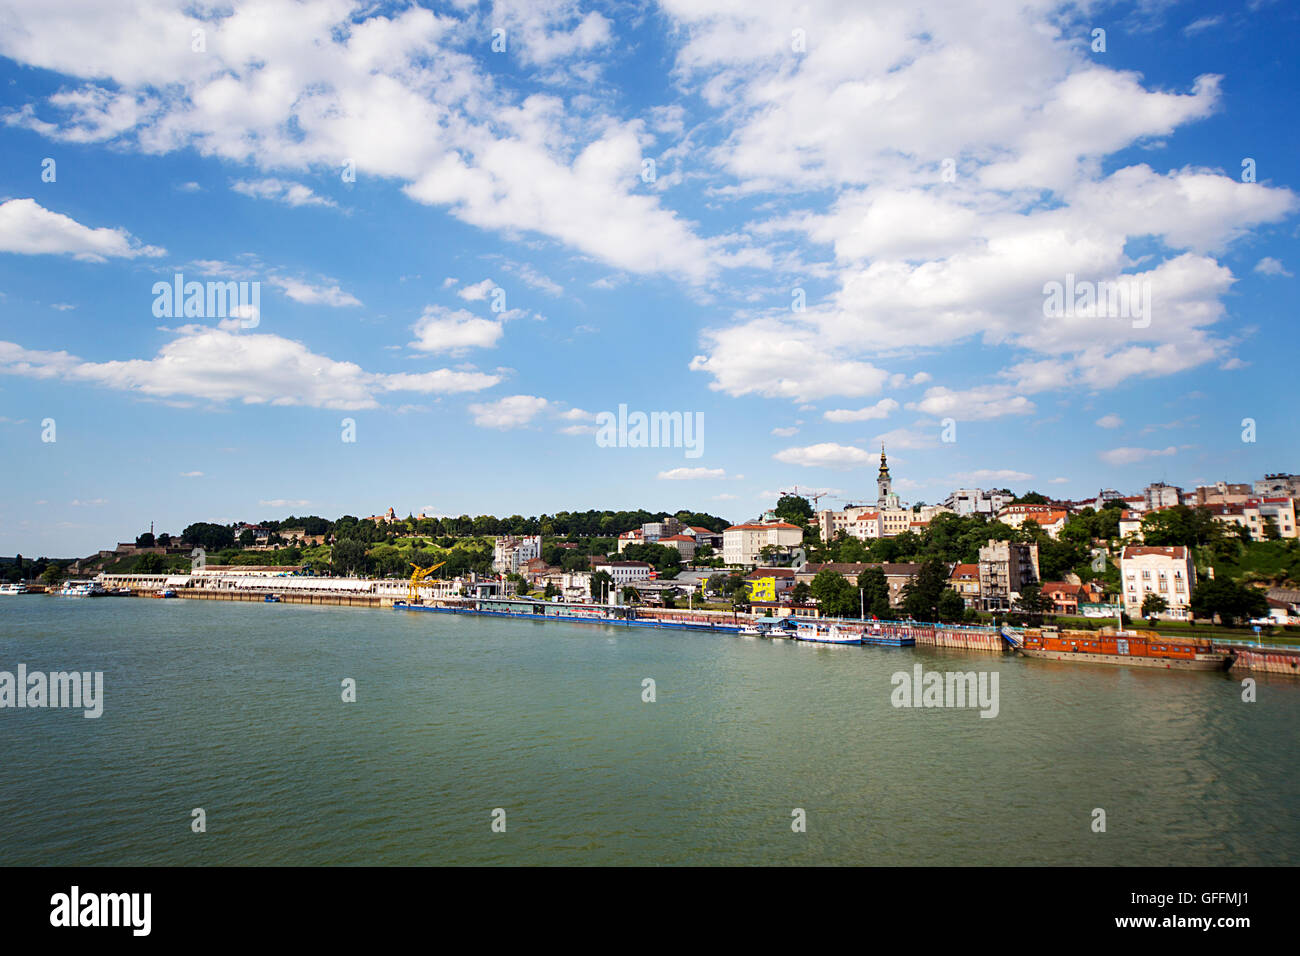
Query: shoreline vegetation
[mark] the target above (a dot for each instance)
(1232, 568)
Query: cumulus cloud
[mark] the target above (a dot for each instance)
(691, 474)
(444, 330)
(28, 228)
(253, 369)
(1109, 421)
(513, 411)
(1129, 456)
(881, 409)
(825, 455)
(280, 190)
(1268, 266)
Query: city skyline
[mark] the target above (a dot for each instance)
(472, 299)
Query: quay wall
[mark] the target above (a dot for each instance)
(1269, 660)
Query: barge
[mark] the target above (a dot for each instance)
(1131, 648)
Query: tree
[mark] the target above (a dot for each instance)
(1230, 601)
(551, 590)
(149, 564)
(1032, 602)
(145, 540)
(951, 606)
(349, 556)
(835, 596)
(210, 537)
(52, 575)
(1152, 605)
(247, 538)
(874, 585)
(793, 508)
(800, 593)
(922, 593)
(1031, 498)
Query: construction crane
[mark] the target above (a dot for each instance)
(417, 578)
(814, 498)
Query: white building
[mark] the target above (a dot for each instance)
(741, 543)
(1166, 571)
(973, 501)
(509, 553)
(1005, 569)
(1158, 495)
(624, 572)
(1278, 486)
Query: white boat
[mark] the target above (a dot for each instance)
(82, 589)
(753, 630)
(826, 634)
(12, 589)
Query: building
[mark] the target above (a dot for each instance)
(1256, 514)
(897, 575)
(684, 543)
(1278, 486)
(1065, 597)
(1280, 511)
(742, 543)
(703, 536)
(652, 531)
(972, 501)
(1221, 493)
(1130, 524)
(509, 553)
(886, 500)
(1006, 568)
(625, 572)
(1166, 571)
(965, 580)
(388, 517)
(1051, 518)
(770, 584)
(635, 536)
(1158, 495)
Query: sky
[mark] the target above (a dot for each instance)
(473, 228)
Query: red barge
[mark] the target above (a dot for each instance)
(1133, 648)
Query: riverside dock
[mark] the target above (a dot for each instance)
(217, 584)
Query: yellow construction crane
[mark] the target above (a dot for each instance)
(417, 577)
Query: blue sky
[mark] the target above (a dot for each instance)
(791, 151)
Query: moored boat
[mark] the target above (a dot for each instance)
(1134, 648)
(10, 590)
(82, 589)
(826, 634)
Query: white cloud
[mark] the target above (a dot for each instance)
(191, 474)
(477, 292)
(973, 404)
(442, 330)
(310, 294)
(1129, 456)
(514, 411)
(280, 190)
(28, 228)
(253, 369)
(785, 432)
(1109, 421)
(1059, 481)
(881, 409)
(692, 474)
(1268, 266)
(284, 503)
(825, 455)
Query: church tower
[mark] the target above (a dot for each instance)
(884, 494)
